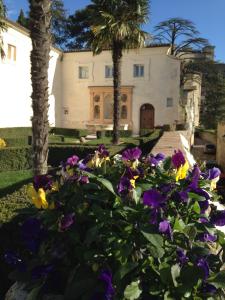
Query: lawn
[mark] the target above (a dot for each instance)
(10, 178)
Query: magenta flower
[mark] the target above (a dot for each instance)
(153, 198)
(178, 159)
(131, 154)
(72, 161)
(66, 222)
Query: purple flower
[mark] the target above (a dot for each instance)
(207, 237)
(208, 288)
(182, 257)
(202, 264)
(106, 277)
(204, 205)
(178, 159)
(15, 261)
(41, 271)
(153, 217)
(124, 185)
(195, 177)
(43, 181)
(83, 179)
(102, 151)
(203, 220)
(66, 222)
(218, 218)
(153, 198)
(131, 154)
(183, 195)
(155, 160)
(72, 161)
(164, 227)
(32, 234)
(213, 173)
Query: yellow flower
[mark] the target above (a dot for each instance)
(96, 161)
(182, 171)
(55, 187)
(132, 181)
(213, 183)
(2, 143)
(38, 197)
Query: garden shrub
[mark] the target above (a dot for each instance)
(126, 228)
(122, 133)
(18, 141)
(100, 134)
(145, 131)
(15, 132)
(76, 133)
(15, 158)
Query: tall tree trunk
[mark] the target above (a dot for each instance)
(40, 18)
(117, 57)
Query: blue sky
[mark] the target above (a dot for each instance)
(208, 15)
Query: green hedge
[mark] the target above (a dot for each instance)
(15, 132)
(76, 133)
(15, 158)
(16, 141)
(146, 131)
(123, 133)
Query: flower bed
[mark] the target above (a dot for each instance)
(129, 227)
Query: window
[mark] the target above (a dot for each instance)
(83, 72)
(96, 112)
(123, 112)
(66, 111)
(108, 106)
(138, 70)
(108, 71)
(11, 52)
(169, 102)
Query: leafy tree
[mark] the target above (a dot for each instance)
(40, 21)
(180, 33)
(58, 22)
(2, 26)
(213, 86)
(115, 25)
(23, 20)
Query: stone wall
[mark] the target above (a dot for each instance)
(220, 153)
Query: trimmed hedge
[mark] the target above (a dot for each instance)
(15, 132)
(146, 131)
(123, 133)
(15, 158)
(76, 133)
(16, 141)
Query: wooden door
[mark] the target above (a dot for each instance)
(147, 115)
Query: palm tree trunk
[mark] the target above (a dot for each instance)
(40, 18)
(116, 56)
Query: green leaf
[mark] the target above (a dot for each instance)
(124, 270)
(175, 272)
(196, 207)
(154, 238)
(179, 225)
(106, 184)
(190, 231)
(218, 280)
(167, 163)
(137, 194)
(34, 293)
(132, 291)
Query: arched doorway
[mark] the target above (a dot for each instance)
(147, 116)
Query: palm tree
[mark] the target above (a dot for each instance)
(40, 19)
(117, 25)
(2, 26)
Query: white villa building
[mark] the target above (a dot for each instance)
(80, 87)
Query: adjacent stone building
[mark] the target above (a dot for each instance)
(81, 92)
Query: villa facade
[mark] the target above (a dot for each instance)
(81, 87)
